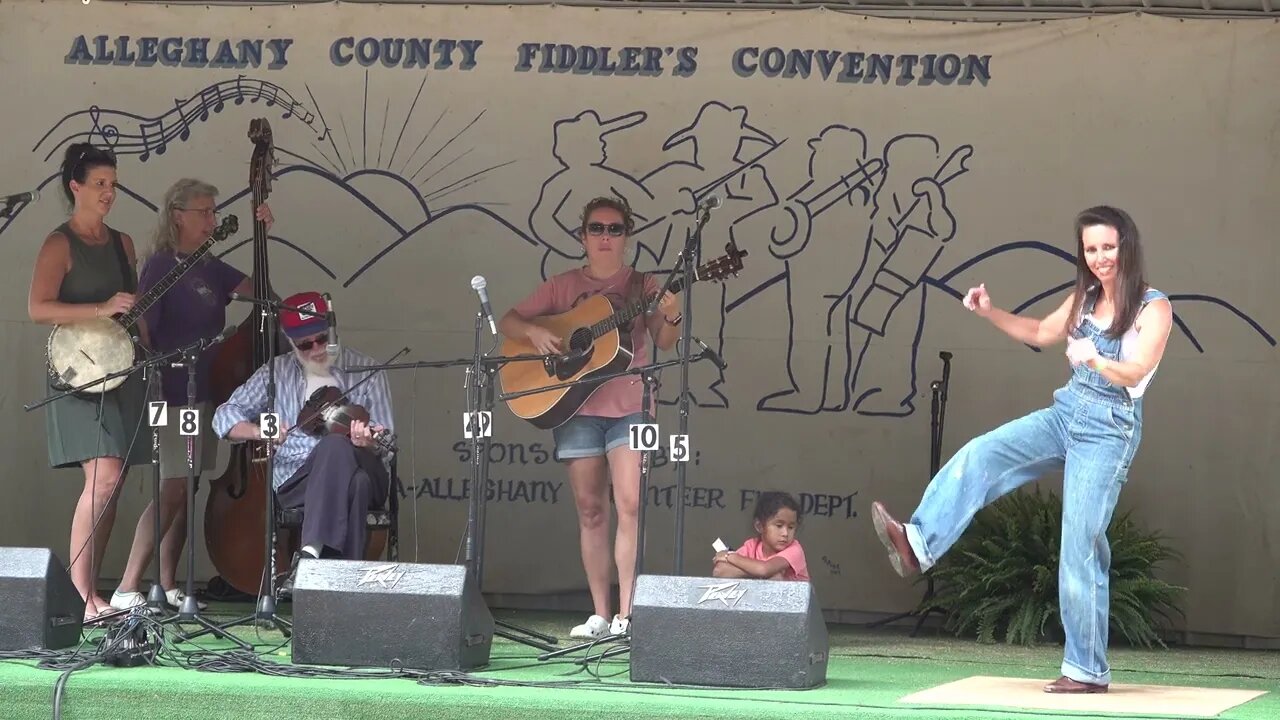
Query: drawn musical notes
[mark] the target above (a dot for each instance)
(272, 98)
(144, 136)
(153, 135)
(184, 131)
(210, 97)
(110, 133)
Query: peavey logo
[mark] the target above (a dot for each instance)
(728, 593)
(384, 575)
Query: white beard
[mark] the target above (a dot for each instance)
(320, 368)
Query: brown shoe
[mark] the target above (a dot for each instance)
(1065, 684)
(894, 538)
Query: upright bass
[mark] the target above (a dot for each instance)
(235, 514)
(235, 519)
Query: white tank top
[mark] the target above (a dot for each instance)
(1128, 347)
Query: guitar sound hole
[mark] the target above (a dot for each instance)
(578, 355)
(580, 342)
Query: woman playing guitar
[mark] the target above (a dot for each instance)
(85, 270)
(593, 443)
(194, 308)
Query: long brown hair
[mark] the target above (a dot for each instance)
(1131, 281)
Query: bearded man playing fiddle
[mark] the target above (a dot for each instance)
(337, 478)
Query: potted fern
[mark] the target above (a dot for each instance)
(1001, 578)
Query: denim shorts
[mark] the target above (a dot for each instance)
(591, 436)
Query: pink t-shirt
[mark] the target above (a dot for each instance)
(620, 396)
(794, 554)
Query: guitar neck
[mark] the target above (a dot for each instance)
(169, 280)
(629, 313)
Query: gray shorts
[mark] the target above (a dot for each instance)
(173, 445)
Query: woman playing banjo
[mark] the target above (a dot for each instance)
(84, 271)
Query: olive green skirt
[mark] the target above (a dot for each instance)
(112, 424)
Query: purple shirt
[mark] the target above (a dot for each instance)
(194, 308)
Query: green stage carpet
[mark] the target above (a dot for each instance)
(868, 673)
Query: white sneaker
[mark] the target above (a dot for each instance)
(127, 600)
(594, 627)
(620, 625)
(175, 597)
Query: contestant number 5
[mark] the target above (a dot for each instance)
(680, 448)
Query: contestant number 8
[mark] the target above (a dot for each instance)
(188, 421)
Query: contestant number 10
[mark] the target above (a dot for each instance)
(645, 438)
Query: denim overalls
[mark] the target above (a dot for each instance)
(1091, 432)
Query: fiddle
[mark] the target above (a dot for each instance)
(327, 411)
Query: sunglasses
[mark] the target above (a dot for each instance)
(615, 229)
(308, 344)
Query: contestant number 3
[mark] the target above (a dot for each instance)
(269, 426)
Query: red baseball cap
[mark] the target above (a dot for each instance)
(299, 325)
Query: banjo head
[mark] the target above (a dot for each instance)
(86, 351)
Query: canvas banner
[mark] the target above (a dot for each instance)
(871, 169)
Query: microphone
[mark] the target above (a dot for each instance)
(332, 348)
(711, 354)
(227, 332)
(712, 202)
(479, 284)
(31, 196)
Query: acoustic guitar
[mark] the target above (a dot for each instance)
(599, 344)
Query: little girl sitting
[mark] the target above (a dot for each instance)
(774, 554)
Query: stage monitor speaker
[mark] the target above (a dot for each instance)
(39, 607)
(379, 614)
(727, 633)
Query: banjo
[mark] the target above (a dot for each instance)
(88, 351)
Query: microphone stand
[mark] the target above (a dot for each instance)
(190, 610)
(938, 413)
(479, 459)
(479, 396)
(649, 374)
(479, 386)
(480, 465)
(265, 613)
(688, 261)
(155, 596)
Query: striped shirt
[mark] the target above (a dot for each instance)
(250, 400)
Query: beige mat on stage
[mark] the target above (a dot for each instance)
(1138, 699)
